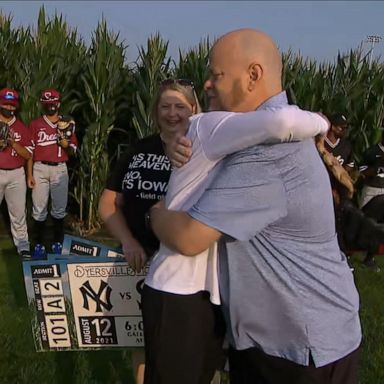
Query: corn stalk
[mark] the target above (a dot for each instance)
(102, 89)
(52, 56)
(350, 86)
(150, 69)
(15, 45)
(193, 65)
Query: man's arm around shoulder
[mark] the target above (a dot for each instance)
(180, 232)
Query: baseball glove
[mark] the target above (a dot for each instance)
(65, 128)
(4, 135)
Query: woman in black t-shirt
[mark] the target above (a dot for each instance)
(140, 179)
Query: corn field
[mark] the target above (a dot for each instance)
(111, 99)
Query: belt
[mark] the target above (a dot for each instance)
(51, 163)
(9, 169)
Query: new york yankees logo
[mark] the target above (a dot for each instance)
(102, 298)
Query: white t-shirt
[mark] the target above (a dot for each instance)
(215, 135)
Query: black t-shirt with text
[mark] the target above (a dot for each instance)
(142, 176)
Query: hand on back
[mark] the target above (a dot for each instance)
(179, 151)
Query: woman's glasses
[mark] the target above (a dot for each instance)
(182, 82)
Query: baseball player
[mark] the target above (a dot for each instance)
(355, 228)
(50, 175)
(372, 196)
(336, 143)
(15, 148)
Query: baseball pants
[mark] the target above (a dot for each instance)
(50, 181)
(14, 188)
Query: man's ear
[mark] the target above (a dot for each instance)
(255, 72)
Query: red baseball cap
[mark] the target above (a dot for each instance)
(50, 96)
(9, 96)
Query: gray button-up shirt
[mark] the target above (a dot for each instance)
(285, 286)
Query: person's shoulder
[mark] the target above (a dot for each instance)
(346, 141)
(281, 107)
(150, 143)
(212, 115)
(374, 150)
(36, 120)
(152, 140)
(345, 147)
(19, 125)
(208, 120)
(196, 117)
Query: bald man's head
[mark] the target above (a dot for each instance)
(254, 46)
(245, 68)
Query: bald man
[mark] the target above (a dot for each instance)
(180, 297)
(287, 293)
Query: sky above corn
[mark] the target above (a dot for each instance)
(316, 29)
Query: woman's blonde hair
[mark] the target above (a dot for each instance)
(185, 87)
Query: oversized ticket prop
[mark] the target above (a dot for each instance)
(73, 245)
(84, 302)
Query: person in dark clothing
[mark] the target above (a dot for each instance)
(356, 229)
(372, 198)
(336, 144)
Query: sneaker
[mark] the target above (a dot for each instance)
(371, 264)
(39, 252)
(57, 248)
(25, 254)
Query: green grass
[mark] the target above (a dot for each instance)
(370, 285)
(19, 363)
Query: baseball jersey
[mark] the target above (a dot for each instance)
(44, 135)
(374, 157)
(9, 159)
(342, 150)
(141, 175)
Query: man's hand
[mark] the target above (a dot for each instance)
(31, 182)
(20, 149)
(179, 151)
(134, 254)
